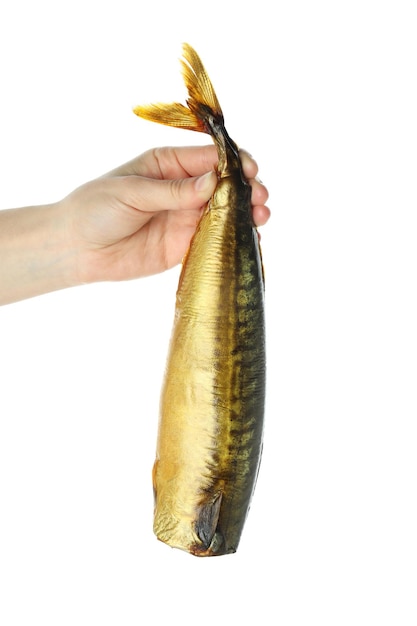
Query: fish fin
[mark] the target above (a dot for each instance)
(154, 471)
(206, 522)
(174, 114)
(202, 101)
(260, 257)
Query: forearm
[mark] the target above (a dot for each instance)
(35, 255)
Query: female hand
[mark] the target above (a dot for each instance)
(134, 221)
(138, 219)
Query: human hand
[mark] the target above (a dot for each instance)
(138, 219)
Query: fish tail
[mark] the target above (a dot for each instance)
(202, 113)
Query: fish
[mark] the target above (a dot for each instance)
(211, 422)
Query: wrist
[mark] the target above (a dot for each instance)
(35, 252)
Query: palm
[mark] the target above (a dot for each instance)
(161, 243)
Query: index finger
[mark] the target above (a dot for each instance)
(170, 163)
(179, 162)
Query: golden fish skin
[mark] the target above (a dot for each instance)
(212, 402)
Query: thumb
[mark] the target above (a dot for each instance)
(205, 185)
(183, 193)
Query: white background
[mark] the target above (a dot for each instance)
(324, 96)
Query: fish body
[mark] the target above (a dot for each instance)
(212, 402)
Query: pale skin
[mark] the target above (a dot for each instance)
(135, 221)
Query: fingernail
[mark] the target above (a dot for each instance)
(205, 183)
